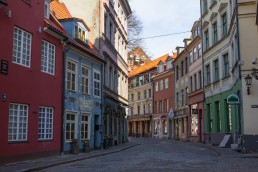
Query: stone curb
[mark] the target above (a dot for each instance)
(77, 159)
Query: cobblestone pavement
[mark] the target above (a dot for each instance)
(164, 155)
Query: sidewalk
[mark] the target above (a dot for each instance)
(43, 163)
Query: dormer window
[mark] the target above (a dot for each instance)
(169, 64)
(46, 8)
(81, 34)
(161, 68)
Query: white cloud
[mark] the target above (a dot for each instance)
(161, 17)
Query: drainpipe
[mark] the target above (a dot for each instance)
(239, 56)
(203, 114)
(65, 49)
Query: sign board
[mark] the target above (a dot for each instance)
(4, 67)
(86, 105)
(254, 106)
(233, 99)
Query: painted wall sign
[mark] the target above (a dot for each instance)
(233, 99)
(86, 105)
(4, 67)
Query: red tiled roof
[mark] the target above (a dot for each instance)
(149, 65)
(63, 12)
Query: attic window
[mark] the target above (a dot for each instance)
(80, 34)
(161, 68)
(46, 8)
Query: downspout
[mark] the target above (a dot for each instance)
(239, 56)
(204, 105)
(65, 49)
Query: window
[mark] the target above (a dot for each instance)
(139, 95)
(156, 107)
(191, 57)
(149, 108)
(149, 93)
(138, 110)
(205, 6)
(206, 39)
(132, 97)
(215, 32)
(217, 109)
(80, 33)
(200, 79)
(47, 57)
(182, 98)
(182, 68)
(191, 83)
(216, 70)
(157, 86)
(21, 47)
(169, 64)
(195, 82)
(110, 31)
(177, 72)
(194, 54)
(199, 50)
(186, 65)
(183, 125)
(145, 94)
(18, 122)
(105, 24)
(46, 8)
(45, 130)
(210, 119)
(166, 83)
(226, 65)
(85, 127)
(70, 128)
(160, 106)
(85, 79)
(177, 98)
(161, 68)
(208, 77)
(161, 84)
(165, 105)
(224, 25)
(186, 96)
(96, 82)
(71, 76)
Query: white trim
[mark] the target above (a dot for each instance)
(76, 74)
(98, 72)
(89, 78)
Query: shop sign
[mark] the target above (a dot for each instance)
(163, 117)
(233, 99)
(86, 105)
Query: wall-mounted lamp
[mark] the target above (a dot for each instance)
(248, 81)
(39, 29)
(9, 14)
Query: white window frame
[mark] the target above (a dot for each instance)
(75, 73)
(98, 81)
(47, 8)
(157, 86)
(75, 122)
(23, 56)
(161, 84)
(18, 129)
(84, 84)
(166, 83)
(46, 119)
(83, 124)
(47, 57)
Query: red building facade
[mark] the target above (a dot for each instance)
(163, 98)
(30, 81)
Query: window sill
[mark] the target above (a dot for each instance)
(205, 13)
(226, 76)
(47, 140)
(216, 81)
(18, 142)
(213, 4)
(207, 84)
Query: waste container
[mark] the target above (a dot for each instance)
(75, 146)
(86, 146)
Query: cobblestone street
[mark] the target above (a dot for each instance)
(164, 155)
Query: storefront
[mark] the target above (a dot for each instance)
(161, 126)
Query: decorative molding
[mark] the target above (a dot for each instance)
(222, 7)
(213, 16)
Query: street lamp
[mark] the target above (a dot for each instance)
(248, 81)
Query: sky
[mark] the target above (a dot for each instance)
(161, 17)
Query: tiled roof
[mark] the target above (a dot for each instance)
(63, 12)
(149, 65)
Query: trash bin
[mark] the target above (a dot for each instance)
(75, 146)
(86, 146)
